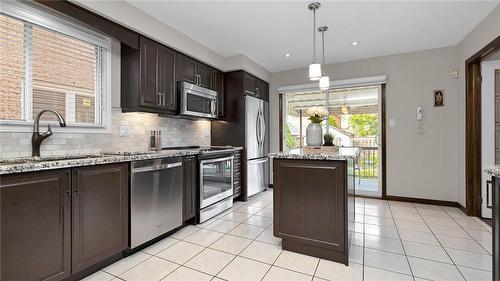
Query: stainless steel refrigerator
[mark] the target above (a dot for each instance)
(256, 145)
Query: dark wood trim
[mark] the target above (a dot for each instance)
(462, 208)
(422, 201)
(384, 146)
(98, 22)
(281, 121)
(473, 169)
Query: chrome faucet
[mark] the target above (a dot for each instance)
(37, 138)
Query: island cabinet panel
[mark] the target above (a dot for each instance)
(36, 225)
(189, 187)
(310, 207)
(496, 228)
(100, 213)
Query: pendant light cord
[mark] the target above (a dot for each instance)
(323, 45)
(314, 36)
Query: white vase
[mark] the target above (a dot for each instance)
(314, 134)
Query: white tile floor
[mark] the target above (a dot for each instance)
(392, 241)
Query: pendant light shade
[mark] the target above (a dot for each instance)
(324, 83)
(314, 67)
(314, 71)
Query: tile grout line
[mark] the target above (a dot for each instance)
(469, 234)
(442, 246)
(401, 241)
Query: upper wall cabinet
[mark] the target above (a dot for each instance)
(255, 87)
(195, 72)
(148, 77)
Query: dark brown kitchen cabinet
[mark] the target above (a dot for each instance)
(219, 87)
(206, 76)
(58, 223)
(255, 87)
(189, 187)
(148, 77)
(100, 213)
(198, 73)
(243, 83)
(237, 174)
(36, 225)
(496, 228)
(187, 69)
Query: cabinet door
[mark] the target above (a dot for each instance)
(149, 96)
(218, 83)
(186, 69)
(165, 77)
(262, 89)
(189, 187)
(35, 226)
(205, 73)
(100, 213)
(249, 84)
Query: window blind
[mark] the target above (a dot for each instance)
(46, 69)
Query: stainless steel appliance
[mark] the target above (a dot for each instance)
(256, 144)
(197, 101)
(155, 198)
(216, 183)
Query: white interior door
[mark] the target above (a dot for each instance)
(487, 131)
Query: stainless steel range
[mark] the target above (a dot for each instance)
(215, 180)
(216, 183)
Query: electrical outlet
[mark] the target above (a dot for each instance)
(123, 131)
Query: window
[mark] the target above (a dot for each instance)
(47, 63)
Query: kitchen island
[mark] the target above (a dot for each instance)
(314, 202)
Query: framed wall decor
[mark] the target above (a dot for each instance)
(438, 98)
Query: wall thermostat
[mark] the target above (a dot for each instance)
(420, 113)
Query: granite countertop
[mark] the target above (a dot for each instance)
(21, 165)
(345, 153)
(493, 170)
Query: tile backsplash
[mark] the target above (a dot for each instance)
(175, 132)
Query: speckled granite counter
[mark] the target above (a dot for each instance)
(59, 162)
(345, 153)
(493, 170)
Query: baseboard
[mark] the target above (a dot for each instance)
(422, 201)
(462, 208)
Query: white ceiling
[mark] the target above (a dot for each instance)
(265, 31)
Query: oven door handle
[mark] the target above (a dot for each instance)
(216, 160)
(156, 168)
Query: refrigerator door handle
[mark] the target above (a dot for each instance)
(263, 127)
(257, 128)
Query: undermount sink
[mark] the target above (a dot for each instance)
(46, 159)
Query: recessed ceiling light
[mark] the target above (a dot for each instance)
(355, 43)
(287, 55)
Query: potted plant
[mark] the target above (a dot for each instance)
(314, 132)
(328, 139)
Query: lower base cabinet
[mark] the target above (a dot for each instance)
(57, 223)
(100, 213)
(189, 187)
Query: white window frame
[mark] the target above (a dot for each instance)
(33, 13)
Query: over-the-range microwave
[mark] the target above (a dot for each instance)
(197, 101)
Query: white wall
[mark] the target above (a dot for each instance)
(480, 36)
(421, 166)
(137, 20)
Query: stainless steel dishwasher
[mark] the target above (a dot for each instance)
(155, 198)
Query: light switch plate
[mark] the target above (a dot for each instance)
(392, 122)
(123, 131)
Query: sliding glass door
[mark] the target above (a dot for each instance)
(353, 119)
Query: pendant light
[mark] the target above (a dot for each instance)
(324, 81)
(315, 67)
